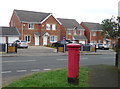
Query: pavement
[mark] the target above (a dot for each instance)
(104, 76)
(43, 51)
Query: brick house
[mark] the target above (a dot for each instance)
(93, 32)
(71, 30)
(37, 28)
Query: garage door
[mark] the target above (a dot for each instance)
(2, 39)
(12, 39)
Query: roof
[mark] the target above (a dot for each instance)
(9, 31)
(31, 16)
(70, 24)
(37, 33)
(93, 26)
(80, 37)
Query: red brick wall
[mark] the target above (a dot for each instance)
(97, 37)
(15, 22)
(31, 32)
(51, 20)
(62, 32)
(86, 32)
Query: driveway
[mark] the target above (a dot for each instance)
(35, 51)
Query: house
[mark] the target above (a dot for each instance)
(37, 28)
(71, 30)
(93, 32)
(8, 34)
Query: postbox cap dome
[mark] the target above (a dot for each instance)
(73, 45)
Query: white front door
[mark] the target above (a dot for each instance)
(36, 40)
(45, 40)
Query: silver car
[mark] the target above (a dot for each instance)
(21, 43)
(103, 46)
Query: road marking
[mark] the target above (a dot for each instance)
(46, 69)
(35, 70)
(26, 60)
(21, 70)
(67, 59)
(6, 72)
(61, 59)
(20, 61)
(9, 61)
(106, 57)
(83, 58)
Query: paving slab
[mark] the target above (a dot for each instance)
(103, 76)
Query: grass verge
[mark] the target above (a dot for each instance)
(54, 78)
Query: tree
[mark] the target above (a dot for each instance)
(111, 28)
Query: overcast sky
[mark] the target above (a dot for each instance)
(81, 10)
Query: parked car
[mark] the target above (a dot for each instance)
(62, 42)
(21, 43)
(103, 46)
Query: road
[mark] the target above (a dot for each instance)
(13, 67)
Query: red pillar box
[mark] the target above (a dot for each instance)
(73, 63)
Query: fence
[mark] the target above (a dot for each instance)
(90, 48)
(8, 48)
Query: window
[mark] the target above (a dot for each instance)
(94, 33)
(81, 32)
(27, 38)
(53, 26)
(69, 32)
(75, 32)
(53, 38)
(47, 26)
(30, 26)
(99, 41)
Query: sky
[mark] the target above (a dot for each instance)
(81, 10)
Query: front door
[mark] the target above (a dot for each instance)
(36, 40)
(45, 40)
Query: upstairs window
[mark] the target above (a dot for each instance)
(94, 33)
(53, 26)
(75, 32)
(30, 26)
(81, 32)
(69, 32)
(47, 26)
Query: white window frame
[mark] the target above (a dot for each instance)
(53, 26)
(69, 32)
(75, 32)
(81, 32)
(53, 38)
(47, 26)
(30, 26)
(94, 33)
(28, 40)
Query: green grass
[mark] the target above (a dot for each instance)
(54, 78)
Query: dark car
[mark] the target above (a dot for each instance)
(60, 43)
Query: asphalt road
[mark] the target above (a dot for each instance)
(13, 67)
